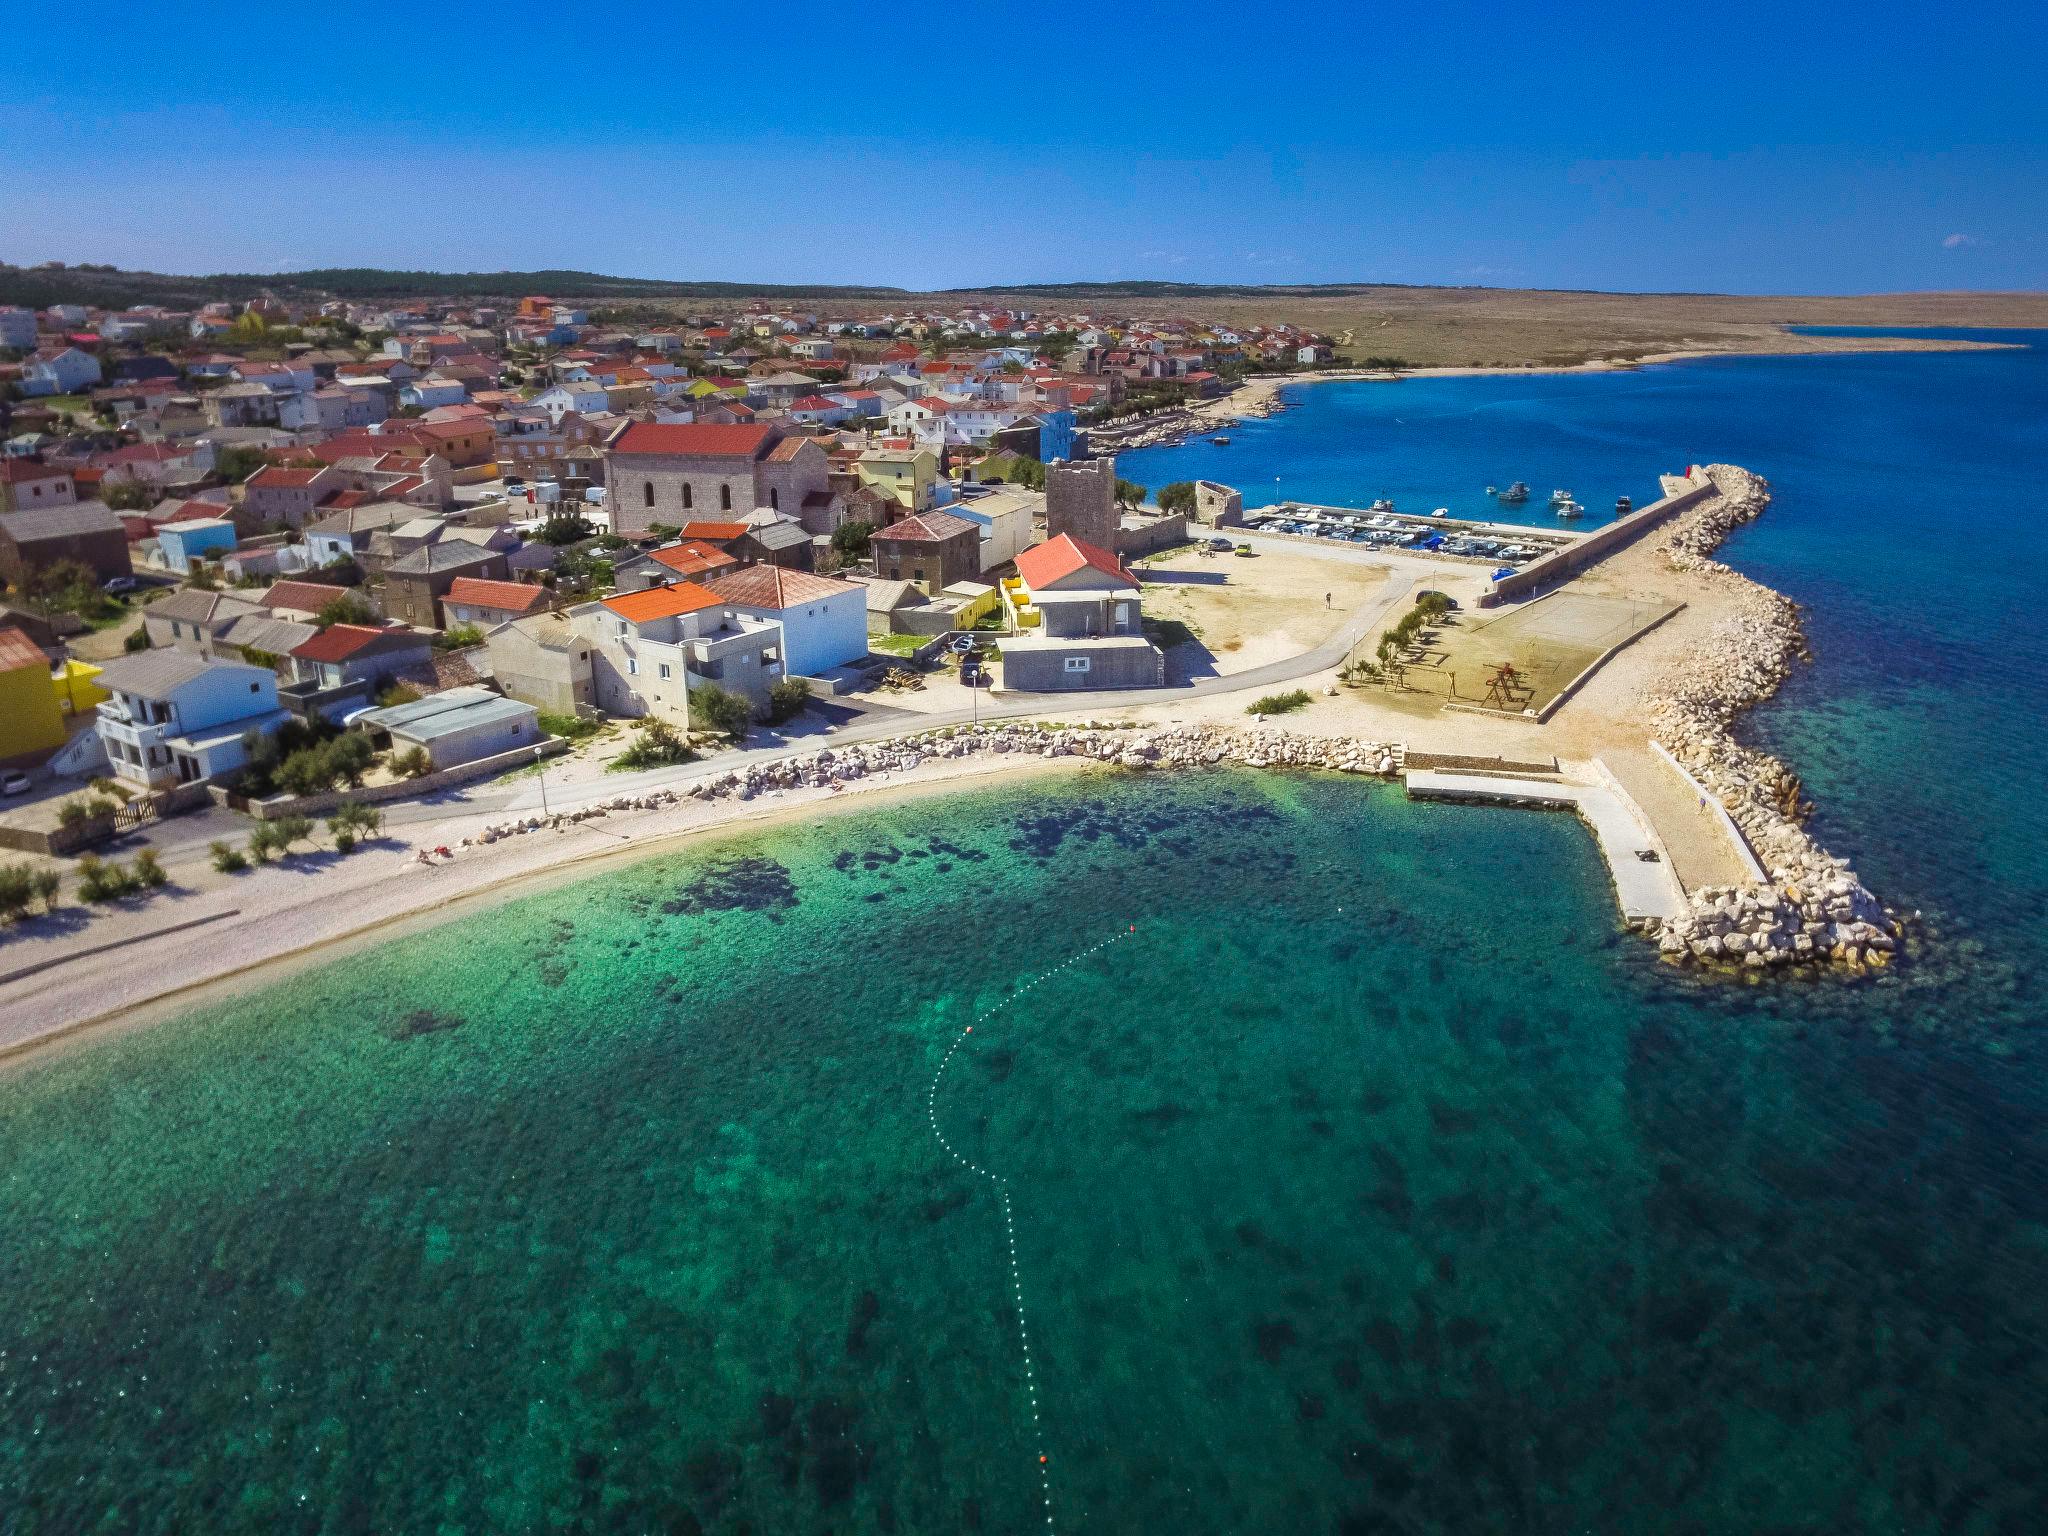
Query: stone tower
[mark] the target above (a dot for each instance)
(1080, 499)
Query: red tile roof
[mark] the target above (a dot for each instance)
(926, 527)
(713, 532)
(663, 602)
(771, 586)
(18, 651)
(692, 557)
(300, 596)
(339, 642)
(1044, 564)
(509, 596)
(271, 477)
(700, 438)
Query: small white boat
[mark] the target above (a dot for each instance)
(1441, 512)
(1383, 505)
(1569, 508)
(1492, 491)
(1559, 498)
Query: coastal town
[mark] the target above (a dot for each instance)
(289, 580)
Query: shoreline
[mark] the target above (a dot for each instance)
(492, 881)
(1677, 693)
(1258, 397)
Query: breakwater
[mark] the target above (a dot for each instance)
(1811, 907)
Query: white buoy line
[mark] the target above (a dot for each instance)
(1001, 1185)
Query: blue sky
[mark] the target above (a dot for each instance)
(1784, 148)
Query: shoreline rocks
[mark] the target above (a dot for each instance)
(1811, 908)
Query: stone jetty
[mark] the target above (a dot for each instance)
(1111, 742)
(1811, 908)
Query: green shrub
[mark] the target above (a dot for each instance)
(1278, 703)
(352, 822)
(149, 872)
(655, 744)
(106, 786)
(72, 813)
(263, 845)
(105, 880)
(292, 829)
(412, 763)
(459, 638)
(227, 858)
(138, 640)
(344, 608)
(49, 887)
(569, 727)
(713, 708)
(17, 890)
(786, 699)
(398, 693)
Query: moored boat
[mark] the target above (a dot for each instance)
(1519, 491)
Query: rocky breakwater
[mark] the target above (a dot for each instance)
(1112, 742)
(1811, 908)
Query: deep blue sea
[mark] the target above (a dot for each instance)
(1911, 522)
(1370, 1181)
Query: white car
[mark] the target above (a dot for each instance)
(15, 782)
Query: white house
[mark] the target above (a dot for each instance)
(428, 393)
(60, 373)
(584, 398)
(177, 718)
(1004, 517)
(824, 622)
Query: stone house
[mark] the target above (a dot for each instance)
(933, 549)
(85, 532)
(671, 473)
(416, 584)
(1079, 623)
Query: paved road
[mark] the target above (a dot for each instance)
(184, 839)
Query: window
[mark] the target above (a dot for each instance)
(687, 498)
(650, 494)
(1077, 663)
(774, 499)
(664, 671)
(632, 667)
(725, 498)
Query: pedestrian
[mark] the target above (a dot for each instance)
(1326, 599)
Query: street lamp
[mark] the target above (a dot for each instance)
(540, 761)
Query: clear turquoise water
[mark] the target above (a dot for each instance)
(1374, 1183)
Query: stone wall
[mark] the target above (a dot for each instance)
(1597, 545)
(1811, 907)
(1080, 500)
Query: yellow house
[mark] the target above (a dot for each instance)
(907, 474)
(30, 720)
(77, 687)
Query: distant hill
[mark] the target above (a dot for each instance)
(39, 287)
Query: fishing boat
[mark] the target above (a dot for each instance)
(1220, 442)
(1519, 491)
(1568, 508)
(1560, 498)
(1624, 505)
(1382, 505)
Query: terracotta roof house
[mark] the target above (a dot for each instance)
(690, 558)
(478, 600)
(299, 598)
(342, 668)
(1078, 623)
(824, 621)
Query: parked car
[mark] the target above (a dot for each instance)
(120, 584)
(15, 782)
(1221, 545)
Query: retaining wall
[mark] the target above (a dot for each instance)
(1597, 545)
(401, 789)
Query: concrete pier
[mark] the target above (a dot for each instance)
(1648, 889)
